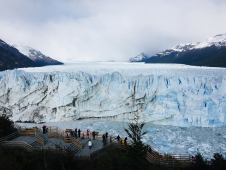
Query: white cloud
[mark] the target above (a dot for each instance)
(105, 30)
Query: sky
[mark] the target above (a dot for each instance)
(100, 30)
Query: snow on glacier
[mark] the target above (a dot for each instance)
(163, 94)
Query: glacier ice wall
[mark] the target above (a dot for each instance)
(166, 100)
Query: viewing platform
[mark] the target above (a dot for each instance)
(34, 139)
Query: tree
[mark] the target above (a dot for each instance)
(6, 126)
(137, 151)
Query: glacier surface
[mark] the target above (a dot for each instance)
(176, 95)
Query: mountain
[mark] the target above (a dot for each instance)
(211, 52)
(11, 58)
(140, 58)
(36, 56)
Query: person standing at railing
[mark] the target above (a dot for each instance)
(44, 129)
(122, 140)
(110, 139)
(125, 140)
(79, 133)
(94, 134)
(150, 150)
(118, 137)
(90, 144)
(103, 136)
(75, 135)
(106, 135)
(71, 133)
(87, 133)
(83, 136)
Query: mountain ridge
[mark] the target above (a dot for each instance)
(208, 53)
(12, 58)
(37, 56)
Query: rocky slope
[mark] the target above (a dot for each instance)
(211, 52)
(140, 58)
(11, 58)
(36, 56)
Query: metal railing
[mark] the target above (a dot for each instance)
(22, 144)
(10, 137)
(77, 142)
(55, 132)
(39, 139)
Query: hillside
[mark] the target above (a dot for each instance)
(36, 56)
(11, 58)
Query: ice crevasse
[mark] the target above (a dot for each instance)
(59, 96)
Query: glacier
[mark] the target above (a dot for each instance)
(184, 96)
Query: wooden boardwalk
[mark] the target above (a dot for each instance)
(33, 139)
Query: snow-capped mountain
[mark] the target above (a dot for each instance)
(140, 58)
(36, 56)
(211, 52)
(11, 58)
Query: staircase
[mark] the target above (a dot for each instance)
(74, 148)
(35, 144)
(44, 136)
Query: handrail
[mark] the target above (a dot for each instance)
(77, 142)
(18, 144)
(11, 136)
(39, 139)
(54, 131)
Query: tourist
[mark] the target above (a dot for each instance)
(126, 141)
(44, 129)
(75, 134)
(150, 150)
(71, 133)
(103, 140)
(110, 139)
(118, 137)
(193, 159)
(122, 142)
(83, 136)
(106, 135)
(87, 133)
(94, 134)
(79, 133)
(90, 144)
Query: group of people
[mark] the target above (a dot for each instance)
(45, 129)
(77, 133)
(123, 141)
(105, 138)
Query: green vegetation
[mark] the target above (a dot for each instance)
(137, 151)
(6, 126)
